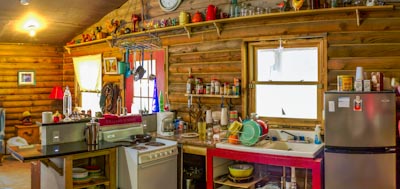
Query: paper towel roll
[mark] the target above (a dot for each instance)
(47, 117)
(224, 116)
(209, 118)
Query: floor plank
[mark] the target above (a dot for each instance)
(14, 174)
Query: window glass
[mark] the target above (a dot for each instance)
(287, 101)
(288, 64)
(91, 100)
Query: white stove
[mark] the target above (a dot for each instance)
(147, 165)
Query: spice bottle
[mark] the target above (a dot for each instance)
(189, 85)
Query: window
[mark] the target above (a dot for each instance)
(143, 89)
(287, 80)
(88, 75)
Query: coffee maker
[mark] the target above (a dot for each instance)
(165, 123)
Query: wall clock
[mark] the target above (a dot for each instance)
(169, 5)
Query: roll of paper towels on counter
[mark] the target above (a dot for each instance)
(47, 117)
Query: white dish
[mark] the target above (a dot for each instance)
(189, 135)
(79, 172)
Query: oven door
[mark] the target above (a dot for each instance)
(157, 174)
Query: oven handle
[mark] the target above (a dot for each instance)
(158, 161)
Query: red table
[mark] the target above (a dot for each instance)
(314, 164)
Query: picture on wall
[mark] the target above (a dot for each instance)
(110, 65)
(26, 78)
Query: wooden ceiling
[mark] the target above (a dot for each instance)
(65, 19)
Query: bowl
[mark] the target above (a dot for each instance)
(241, 170)
(79, 173)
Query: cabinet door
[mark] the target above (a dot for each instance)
(30, 134)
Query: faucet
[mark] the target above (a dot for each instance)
(294, 136)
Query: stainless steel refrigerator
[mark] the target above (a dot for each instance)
(360, 140)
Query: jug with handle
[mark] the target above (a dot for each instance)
(183, 18)
(211, 12)
(91, 133)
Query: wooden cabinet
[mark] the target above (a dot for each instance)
(29, 132)
(105, 159)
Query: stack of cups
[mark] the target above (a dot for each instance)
(358, 83)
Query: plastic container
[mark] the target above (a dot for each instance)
(317, 138)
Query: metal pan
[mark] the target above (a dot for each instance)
(140, 69)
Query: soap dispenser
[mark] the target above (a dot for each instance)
(317, 138)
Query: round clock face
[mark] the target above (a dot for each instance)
(169, 5)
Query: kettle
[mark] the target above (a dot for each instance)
(197, 17)
(91, 133)
(183, 18)
(211, 12)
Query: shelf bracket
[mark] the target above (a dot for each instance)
(358, 17)
(68, 49)
(218, 27)
(188, 31)
(48, 163)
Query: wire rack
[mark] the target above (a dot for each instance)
(145, 41)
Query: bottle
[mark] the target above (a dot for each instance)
(233, 9)
(155, 106)
(119, 105)
(317, 138)
(67, 104)
(161, 102)
(189, 84)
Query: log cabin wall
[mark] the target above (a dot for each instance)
(368, 38)
(47, 63)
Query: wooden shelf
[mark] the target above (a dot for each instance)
(218, 24)
(238, 185)
(95, 182)
(213, 96)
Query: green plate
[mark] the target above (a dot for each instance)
(251, 132)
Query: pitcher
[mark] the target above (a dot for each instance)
(211, 12)
(183, 18)
(91, 133)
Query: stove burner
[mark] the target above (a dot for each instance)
(155, 144)
(139, 147)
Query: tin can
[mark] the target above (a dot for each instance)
(344, 83)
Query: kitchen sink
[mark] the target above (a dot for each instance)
(294, 149)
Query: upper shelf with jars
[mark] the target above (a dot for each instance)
(218, 23)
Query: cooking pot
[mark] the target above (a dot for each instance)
(141, 138)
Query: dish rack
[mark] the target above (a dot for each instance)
(244, 142)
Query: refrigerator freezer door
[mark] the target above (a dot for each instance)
(360, 171)
(373, 126)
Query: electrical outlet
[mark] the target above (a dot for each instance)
(56, 136)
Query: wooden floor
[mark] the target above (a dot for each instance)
(14, 174)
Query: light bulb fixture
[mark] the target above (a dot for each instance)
(24, 2)
(32, 30)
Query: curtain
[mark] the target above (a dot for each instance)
(88, 72)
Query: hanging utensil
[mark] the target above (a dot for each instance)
(128, 64)
(141, 71)
(133, 71)
(152, 76)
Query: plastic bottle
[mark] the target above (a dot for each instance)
(161, 101)
(67, 104)
(119, 106)
(155, 106)
(317, 131)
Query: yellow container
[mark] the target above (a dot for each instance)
(344, 82)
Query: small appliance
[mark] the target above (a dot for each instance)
(165, 123)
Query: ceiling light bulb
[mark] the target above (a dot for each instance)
(24, 2)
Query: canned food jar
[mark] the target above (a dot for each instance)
(344, 83)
